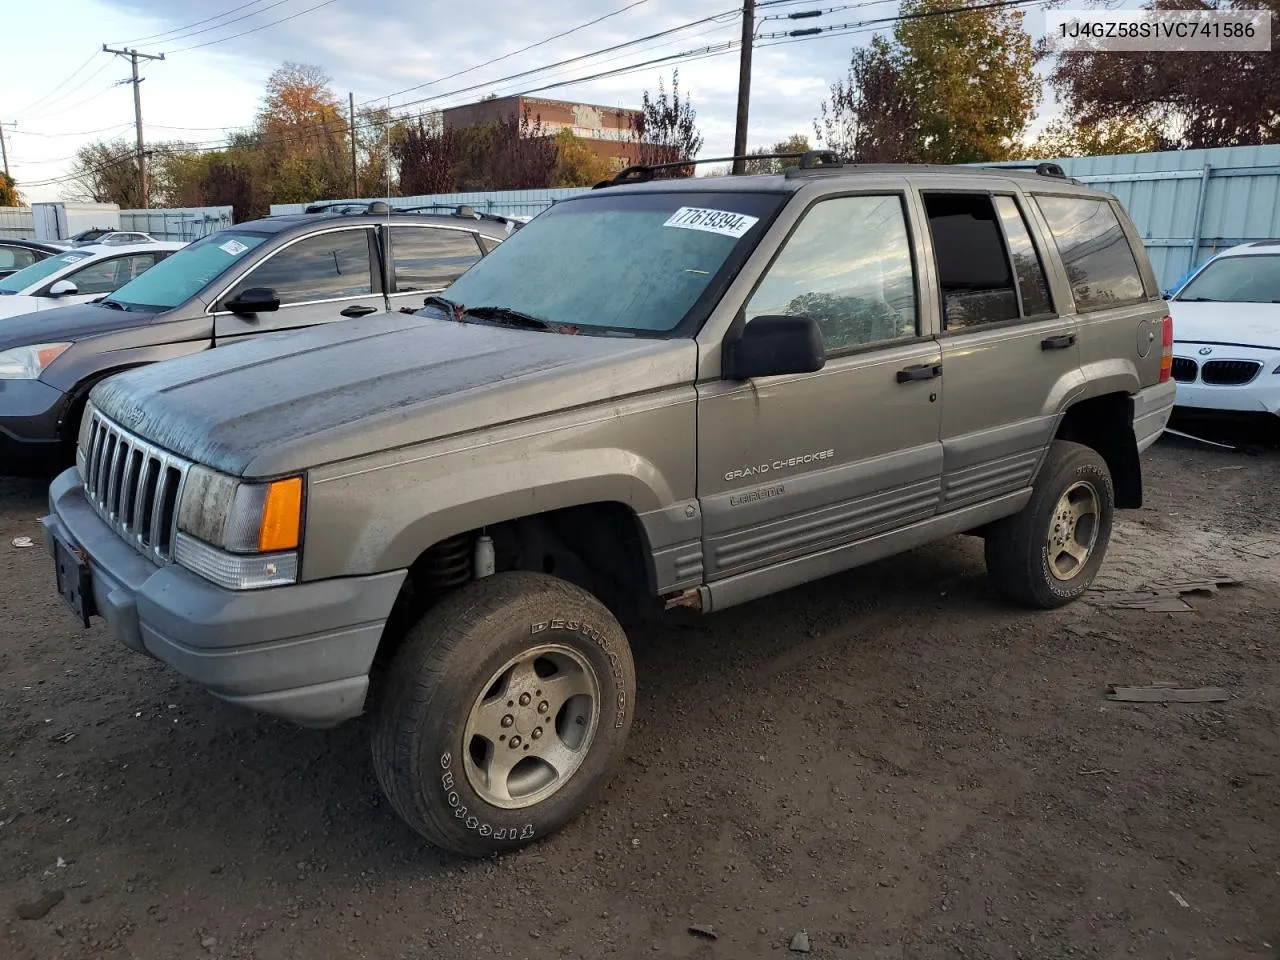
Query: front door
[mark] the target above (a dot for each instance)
(1011, 360)
(320, 278)
(793, 465)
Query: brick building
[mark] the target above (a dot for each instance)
(608, 131)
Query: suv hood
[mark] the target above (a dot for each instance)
(1242, 324)
(64, 324)
(286, 402)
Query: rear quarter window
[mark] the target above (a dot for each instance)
(1100, 264)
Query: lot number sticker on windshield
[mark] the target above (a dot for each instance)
(233, 247)
(724, 222)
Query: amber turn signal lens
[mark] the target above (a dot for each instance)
(281, 516)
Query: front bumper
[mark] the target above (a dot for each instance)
(1259, 395)
(31, 414)
(301, 652)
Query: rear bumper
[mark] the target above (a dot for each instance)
(1152, 408)
(300, 652)
(31, 413)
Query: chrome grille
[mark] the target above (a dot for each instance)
(133, 485)
(1229, 373)
(1184, 370)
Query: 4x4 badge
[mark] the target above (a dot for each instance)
(1205, 351)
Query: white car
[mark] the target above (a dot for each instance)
(1226, 328)
(79, 275)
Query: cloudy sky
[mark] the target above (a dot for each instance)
(62, 93)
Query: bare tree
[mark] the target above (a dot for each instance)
(666, 128)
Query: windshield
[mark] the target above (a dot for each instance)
(30, 276)
(632, 263)
(185, 273)
(1246, 279)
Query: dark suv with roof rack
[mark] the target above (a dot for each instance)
(678, 393)
(265, 276)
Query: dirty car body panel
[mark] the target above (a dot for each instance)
(410, 431)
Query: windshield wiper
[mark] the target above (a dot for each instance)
(515, 318)
(1199, 300)
(454, 310)
(113, 304)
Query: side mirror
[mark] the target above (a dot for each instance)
(254, 300)
(771, 346)
(63, 288)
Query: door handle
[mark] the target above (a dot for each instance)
(920, 371)
(1059, 342)
(359, 311)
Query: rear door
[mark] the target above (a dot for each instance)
(1010, 358)
(426, 259)
(319, 278)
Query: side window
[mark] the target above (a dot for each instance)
(15, 258)
(327, 266)
(1026, 262)
(488, 244)
(973, 267)
(1100, 265)
(428, 258)
(847, 265)
(104, 276)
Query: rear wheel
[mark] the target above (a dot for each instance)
(505, 709)
(1047, 555)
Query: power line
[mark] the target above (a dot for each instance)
(245, 33)
(71, 76)
(44, 108)
(684, 56)
(166, 33)
(226, 23)
(507, 56)
(77, 133)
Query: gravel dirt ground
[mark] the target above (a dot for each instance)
(891, 761)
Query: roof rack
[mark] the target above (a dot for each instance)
(382, 208)
(466, 211)
(1043, 169)
(643, 172)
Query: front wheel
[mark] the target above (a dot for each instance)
(505, 709)
(1048, 554)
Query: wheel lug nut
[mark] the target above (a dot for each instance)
(543, 707)
(524, 699)
(537, 734)
(508, 720)
(514, 743)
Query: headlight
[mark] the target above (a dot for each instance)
(27, 363)
(240, 535)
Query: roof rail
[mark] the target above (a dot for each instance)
(643, 172)
(466, 211)
(1043, 169)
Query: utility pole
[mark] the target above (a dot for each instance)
(355, 182)
(744, 85)
(4, 151)
(134, 56)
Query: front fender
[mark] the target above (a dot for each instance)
(381, 515)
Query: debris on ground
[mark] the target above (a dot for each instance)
(1167, 693)
(1161, 596)
(799, 943)
(1179, 898)
(704, 930)
(1190, 436)
(22, 542)
(35, 909)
